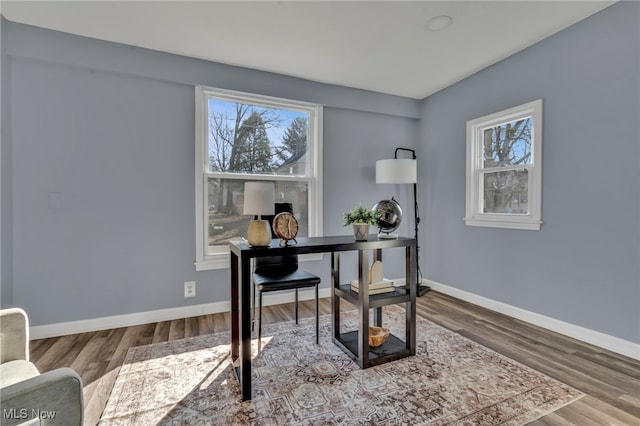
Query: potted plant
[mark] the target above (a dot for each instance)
(361, 218)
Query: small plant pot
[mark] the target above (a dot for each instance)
(361, 231)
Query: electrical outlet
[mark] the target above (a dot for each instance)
(190, 289)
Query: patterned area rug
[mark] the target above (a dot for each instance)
(451, 380)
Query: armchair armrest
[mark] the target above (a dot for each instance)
(14, 335)
(55, 397)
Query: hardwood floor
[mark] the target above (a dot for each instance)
(610, 381)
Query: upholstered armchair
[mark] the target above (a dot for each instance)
(26, 396)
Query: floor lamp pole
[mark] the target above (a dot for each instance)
(422, 289)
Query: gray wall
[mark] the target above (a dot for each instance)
(6, 210)
(102, 159)
(582, 266)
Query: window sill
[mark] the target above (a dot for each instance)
(223, 261)
(213, 262)
(531, 225)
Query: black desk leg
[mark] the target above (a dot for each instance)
(363, 308)
(335, 301)
(235, 320)
(377, 314)
(410, 269)
(245, 328)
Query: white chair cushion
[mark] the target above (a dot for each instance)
(16, 371)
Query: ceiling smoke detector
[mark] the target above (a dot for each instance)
(439, 23)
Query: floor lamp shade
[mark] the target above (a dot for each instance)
(397, 171)
(259, 200)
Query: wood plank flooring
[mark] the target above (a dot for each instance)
(611, 381)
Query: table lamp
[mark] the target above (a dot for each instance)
(259, 200)
(402, 171)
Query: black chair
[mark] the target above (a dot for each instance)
(277, 273)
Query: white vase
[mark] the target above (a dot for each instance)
(360, 231)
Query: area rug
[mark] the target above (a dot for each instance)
(451, 381)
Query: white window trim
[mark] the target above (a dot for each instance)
(220, 260)
(474, 216)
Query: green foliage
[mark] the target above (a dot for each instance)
(252, 148)
(361, 214)
(294, 142)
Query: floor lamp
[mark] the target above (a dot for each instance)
(402, 171)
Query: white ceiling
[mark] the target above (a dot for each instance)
(383, 46)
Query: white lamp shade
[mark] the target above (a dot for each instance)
(259, 198)
(397, 171)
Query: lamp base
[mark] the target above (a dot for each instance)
(259, 233)
(423, 289)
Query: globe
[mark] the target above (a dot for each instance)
(390, 217)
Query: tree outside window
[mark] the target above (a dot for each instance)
(507, 144)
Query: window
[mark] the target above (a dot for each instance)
(504, 168)
(242, 137)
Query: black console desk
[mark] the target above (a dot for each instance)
(354, 343)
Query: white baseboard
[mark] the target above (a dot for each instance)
(128, 320)
(596, 338)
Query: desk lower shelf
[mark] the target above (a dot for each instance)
(398, 295)
(392, 349)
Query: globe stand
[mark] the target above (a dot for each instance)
(387, 236)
